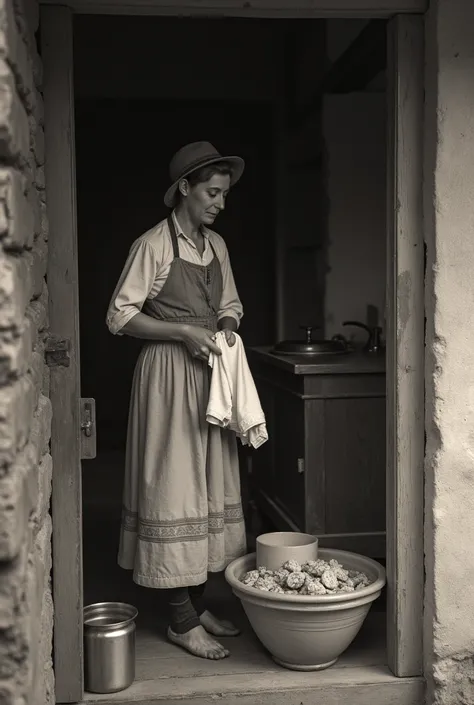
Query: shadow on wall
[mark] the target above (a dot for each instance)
(123, 150)
(355, 133)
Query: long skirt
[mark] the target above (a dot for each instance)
(182, 511)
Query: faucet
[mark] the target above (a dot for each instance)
(374, 342)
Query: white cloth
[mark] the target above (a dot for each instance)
(233, 398)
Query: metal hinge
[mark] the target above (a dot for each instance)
(57, 351)
(88, 429)
(300, 465)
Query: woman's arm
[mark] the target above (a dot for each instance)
(125, 316)
(230, 309)
(230, 306)
(198, 340)
(148, 328)
(134, 284)
(229, 325)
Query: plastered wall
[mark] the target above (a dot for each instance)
(449, 476)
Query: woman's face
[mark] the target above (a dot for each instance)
(205, 200)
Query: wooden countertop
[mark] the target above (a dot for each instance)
(356, 362)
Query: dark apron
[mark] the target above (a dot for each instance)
(191, 293)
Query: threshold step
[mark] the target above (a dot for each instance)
(364, 685)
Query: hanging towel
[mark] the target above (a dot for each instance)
(233, 398)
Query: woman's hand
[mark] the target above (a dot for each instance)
(199, 342)
(229, 336)
(228, 325)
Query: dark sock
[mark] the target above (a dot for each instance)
(196, 593)
(183, 615)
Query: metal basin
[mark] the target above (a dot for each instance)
(311, 349)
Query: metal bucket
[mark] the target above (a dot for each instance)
(109, 646)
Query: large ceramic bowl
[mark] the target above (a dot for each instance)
(306, 632)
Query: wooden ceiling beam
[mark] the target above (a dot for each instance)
(248, 8)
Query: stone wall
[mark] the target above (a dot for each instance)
(449, 226)
(25, 410)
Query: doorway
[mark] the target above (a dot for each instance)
(82, 115)
(134, 131)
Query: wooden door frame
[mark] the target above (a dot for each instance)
(405, 308)
(65, 392)
(405, 346)
(315, 9)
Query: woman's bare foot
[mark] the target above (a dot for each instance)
(198, 643)
(218, 627)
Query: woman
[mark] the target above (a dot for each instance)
(182, 514)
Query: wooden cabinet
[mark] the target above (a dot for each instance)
(323, 467)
